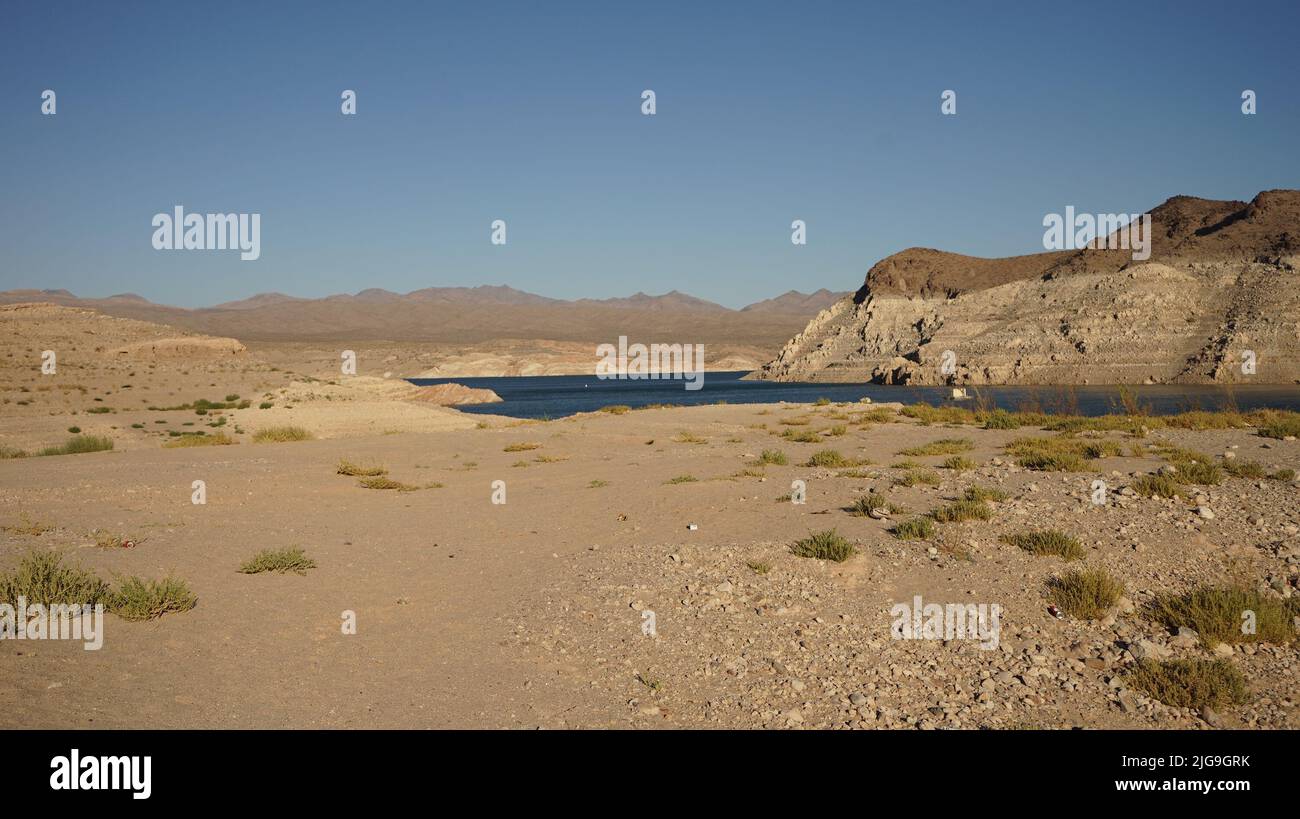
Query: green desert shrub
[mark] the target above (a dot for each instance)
(1157, 486)
(139, 599)
(1196, 472)
(803, 436)
(381, 482)
(42, 577)
(985, 493)
(278, 560)
(1280, 425)
(1250, 470)
(772, 456)
(275, 435)
(218, 439)
(943, 446)
(1085, 593)
(1191, 683)
(831, 459)
(914, 529)
(959, 463)
(961, 510)
(873, 502)
(827, 545)
(1046, 542)
(1001, 419)
(1219, 615)
(526, 446)
(1060, 453)
(79, 444)
(919, 477)
(346, 467)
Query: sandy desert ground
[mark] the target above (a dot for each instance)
(528, 613)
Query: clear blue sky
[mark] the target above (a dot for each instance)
(530, 112)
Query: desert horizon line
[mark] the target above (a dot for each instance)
(382, 292)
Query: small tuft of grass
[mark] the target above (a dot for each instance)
(278, 560)
(1221, 615)
(919, 477)
(27, 526)
(873, 502)
(1250, 470)
(960, 463)
(346, 467)
(1045, 462)
(1085, 593)
(772, 456)
(597, 484)
(79, 444)
(803, 436)
(906, 463)
(962, 510)
(1001, 419)
(109, 540)
(1191, 683)
(681, 479)
(382, 482)
(914, 529)
(139, 599)
(1198, 473)
(831, 459)
(526, 446)
(827, 545)
(685, 437)
(276, 435)
(985, 493)
(1285, 475)
(616, 409)
(218, 439)
(943, 446)
(758, 566)
(1061, 453)
(1281, 425)
(1157, 486)
(1046, 542)
(655, 684)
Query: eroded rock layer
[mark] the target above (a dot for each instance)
(1220, 285)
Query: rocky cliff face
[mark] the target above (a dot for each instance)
(1222, 280)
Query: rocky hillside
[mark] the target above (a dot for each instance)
(1221, 280)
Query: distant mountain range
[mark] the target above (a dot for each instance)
(468, 315)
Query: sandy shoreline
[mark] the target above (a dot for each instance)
(529, 613)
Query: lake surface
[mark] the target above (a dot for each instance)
(555, 396)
